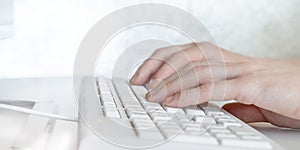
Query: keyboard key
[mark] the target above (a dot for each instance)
(194, 110)
(228, 124)
(220, 120)
(241, 130)
(174, 110)
(131, 103)
(112, 114)
(205, 120)
(138, 115)
(195, 129)
(213, 112)
(251, 137)
(161, 118)
(223, 116)
(217, 126)
(135, 109)
(219, 130)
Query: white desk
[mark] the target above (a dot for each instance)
(60, 90)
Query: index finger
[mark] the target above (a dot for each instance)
(151, 65)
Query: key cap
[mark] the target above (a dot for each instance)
(109, 104)
(156, 114)
(219, 131)
(195, 129)
(251, 137)
(144, 125)
(194, 110)
(131, 103)
(162, 117)
(241, 130)
(217, 126)
(223, 116)
(213, 112)
(205, 120)
(228, 124)
(168, 124)
(161, 122)
(138, 115)
(112, 114)
(173, 110)
(220, 120)
(135, 109)
(139, 123)
(139, 91)
(246, 143)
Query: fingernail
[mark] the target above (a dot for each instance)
(133, 78)
(148, 96)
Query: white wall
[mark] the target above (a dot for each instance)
(48, 33)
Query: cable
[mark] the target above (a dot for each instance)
(37, 113)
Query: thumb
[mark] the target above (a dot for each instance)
(247, 113)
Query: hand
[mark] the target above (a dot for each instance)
(266, 89)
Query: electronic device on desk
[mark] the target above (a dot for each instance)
(121, 116)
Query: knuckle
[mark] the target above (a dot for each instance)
(203, 71)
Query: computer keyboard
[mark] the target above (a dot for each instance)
(205, 124)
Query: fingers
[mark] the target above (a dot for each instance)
(176, 61)
(222, 90)
(151, 65)
(197, 52)
(195, 77)
(247, 113)
(167, 60)
(189, 97)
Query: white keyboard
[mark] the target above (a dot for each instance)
(205, 124)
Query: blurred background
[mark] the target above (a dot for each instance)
(41, 38)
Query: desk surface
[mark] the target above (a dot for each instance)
(60, 90)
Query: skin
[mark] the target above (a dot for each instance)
(266, 90)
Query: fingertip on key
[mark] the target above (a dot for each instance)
(133, 79)
(148, 96)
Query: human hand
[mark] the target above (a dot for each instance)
(266, 89)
